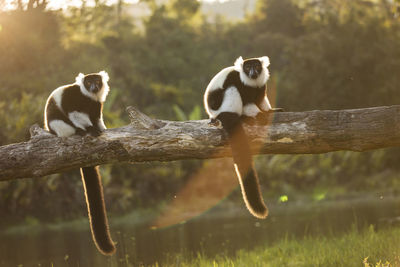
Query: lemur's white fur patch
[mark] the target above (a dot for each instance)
(104, 76)
(265, 105)
(99, 96)
(61, 128)
(251, 110)
(104, 91)
(57, 95)
(218, 81)
(232, 102)
(80, 120)
(239, 64)
(265, 61)
(101, 124)
(79, 79)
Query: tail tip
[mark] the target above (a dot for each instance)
(260, 212)
(107, 250)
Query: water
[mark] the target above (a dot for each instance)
(215, 232)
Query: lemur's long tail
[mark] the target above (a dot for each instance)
(96, 209)
(244, 166)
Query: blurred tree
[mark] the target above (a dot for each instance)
(184, 9)
(85, 24)
(279, 16)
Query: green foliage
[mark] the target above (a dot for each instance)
(195, 114)
(328, 175)
(18, 115)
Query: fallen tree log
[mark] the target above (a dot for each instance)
(146, 139)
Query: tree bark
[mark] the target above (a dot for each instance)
(147, 139)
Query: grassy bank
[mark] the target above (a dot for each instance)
(325, 233)
(357, 248)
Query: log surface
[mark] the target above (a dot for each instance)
(146, 139)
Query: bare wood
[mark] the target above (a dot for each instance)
(146, 139)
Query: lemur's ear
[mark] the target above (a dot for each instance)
(104, 76)
(79, 78)
(265, 61)
(239, 63)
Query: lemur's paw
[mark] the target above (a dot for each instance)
(80, 132)
(214, 122)
(94, 132)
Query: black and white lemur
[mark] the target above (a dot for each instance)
(77, 109)
(237, 94)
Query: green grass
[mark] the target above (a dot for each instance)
(366, 248)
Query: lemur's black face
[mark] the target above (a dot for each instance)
(93, 83)
(252, 68)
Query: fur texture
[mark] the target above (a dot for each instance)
(96, 209)
(77, 109)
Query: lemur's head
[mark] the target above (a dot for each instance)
(253, 71)
(94, 85)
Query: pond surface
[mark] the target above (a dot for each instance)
(215, 232)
